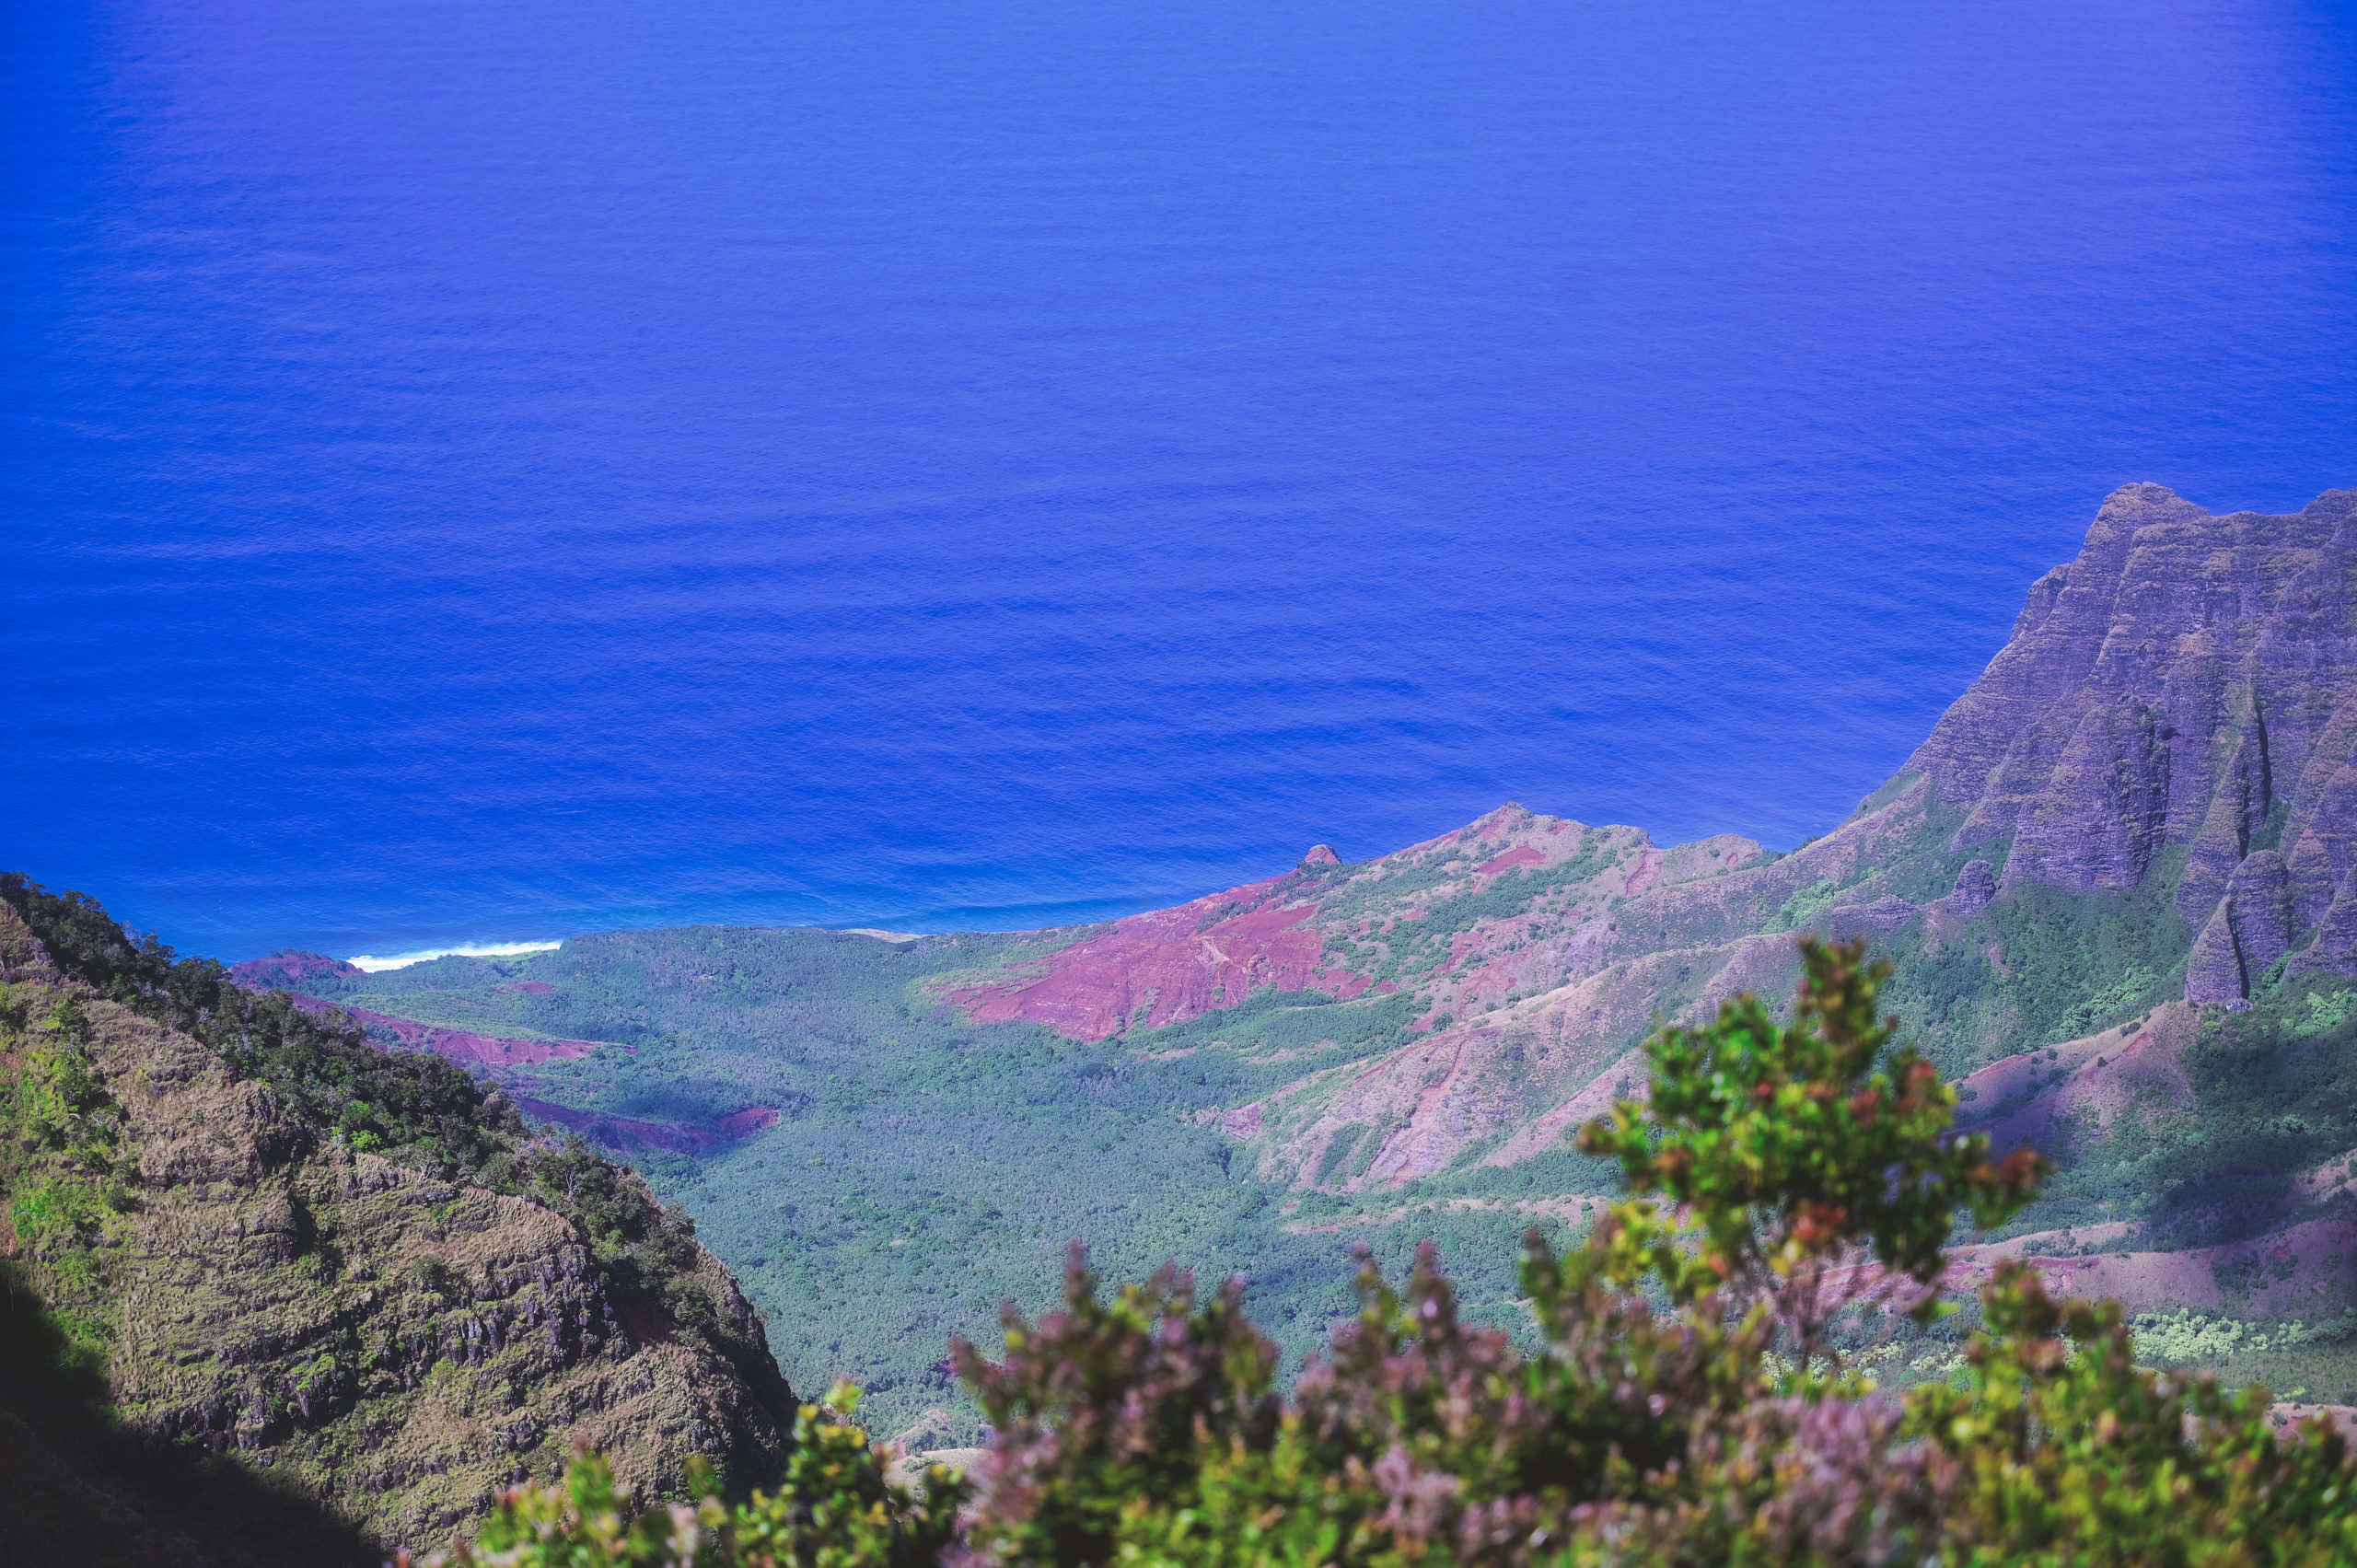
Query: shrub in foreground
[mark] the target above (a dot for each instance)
(1694, 1397)
(838, 1508)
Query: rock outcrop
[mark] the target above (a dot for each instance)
(395, 1339)
(2188, 684)
(1974, 889)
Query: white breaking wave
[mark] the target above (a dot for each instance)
(464, 950)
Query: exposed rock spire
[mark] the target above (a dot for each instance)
(2216, 972)
(1976, 889)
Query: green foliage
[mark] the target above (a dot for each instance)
(837, 1509)
(2188, 1336)
(422, 1107)
(63, 1166)
(1806, 905)
(1104, 1404)
(626, 1233)
(1654, 1422)
(1784, 1148)
(589, 1522)
(2323, 1016)
(2041, 964)
(2063, 1450)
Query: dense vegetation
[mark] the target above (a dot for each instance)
(421, 1104)
(2074, 962)
(927, 1168)
(429, 1112)
(1694, 1395)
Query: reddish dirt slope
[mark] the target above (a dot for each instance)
(2078, 1090)
(2306, 1271)
(1291, 932)
(1167, 966)
(457, 1045)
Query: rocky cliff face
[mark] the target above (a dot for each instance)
(2149, 794)
(395, 1333)
(2188, 684)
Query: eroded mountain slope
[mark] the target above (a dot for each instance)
(356, 1275)
(2150, 793)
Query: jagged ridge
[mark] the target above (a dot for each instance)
(2152, 783)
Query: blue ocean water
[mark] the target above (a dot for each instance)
(488, 471)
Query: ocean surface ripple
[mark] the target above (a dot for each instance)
(486, 472)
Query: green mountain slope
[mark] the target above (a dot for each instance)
(275, 1292)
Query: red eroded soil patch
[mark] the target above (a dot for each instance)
(746, 1123)
(1522, 854)
(481, 1050)
(2306, 1271)
(1165, 966)
(455, 1045)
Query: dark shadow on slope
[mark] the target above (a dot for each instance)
(80, 1490)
